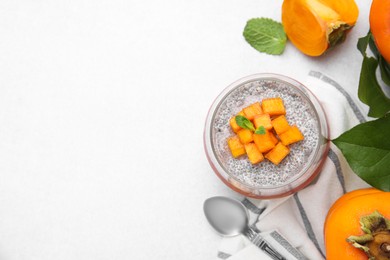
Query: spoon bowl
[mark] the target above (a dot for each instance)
(227, 216)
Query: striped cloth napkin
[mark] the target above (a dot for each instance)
(299, 218)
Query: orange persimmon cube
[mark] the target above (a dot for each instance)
(233, 123)
(254, 155)
(245, 136)
(280, 124)
(292, 135)
(264, 142)
(273, 106)
(262, 120)
(236, 147)
(273, 138)
(252, 110)
(278, 153)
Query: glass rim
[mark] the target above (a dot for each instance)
(299, 180)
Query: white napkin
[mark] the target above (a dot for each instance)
(299, 218)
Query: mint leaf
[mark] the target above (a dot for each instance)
(265, 35)
(260, 130)
(370, 92)
(366, 147)
(244, 122)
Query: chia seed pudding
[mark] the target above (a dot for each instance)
(299, 111)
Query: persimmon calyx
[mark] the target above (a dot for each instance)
(338, 33)
(375, 241)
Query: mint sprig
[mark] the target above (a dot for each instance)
(244, 122)
(260, 130)
(265, 35)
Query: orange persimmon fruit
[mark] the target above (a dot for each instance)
(254, 155)
(252, 110)
(344, 220)
(236, 147)
(245, 136)
(314, 26)
(278, 153)
(280, 124)
(273, 106)
(257, 135)
(264, 142)
(262, 120)
(380, 26)
(233, 124)
(273, 138)
(292, 135)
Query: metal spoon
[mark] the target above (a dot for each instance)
(229, 217)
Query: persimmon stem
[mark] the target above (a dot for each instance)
(385, 247)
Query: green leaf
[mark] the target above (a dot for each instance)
(366, 147)
(373, 47)
(260, 130)
(370, 92)
(265, 35)
(363, 43)
(385, 70)
(244, 122)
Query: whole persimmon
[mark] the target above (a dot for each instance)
(380, 26)
(357, 226)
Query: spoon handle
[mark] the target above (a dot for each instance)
(270, 251)
(257, 239)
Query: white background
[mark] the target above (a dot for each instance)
(102, 107)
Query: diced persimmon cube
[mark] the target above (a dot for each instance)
(236, 147)
(292, 135)
(253, 110)
(280, 124)
(264, 142)
(245, 136)
(254, 155)
(233, 124)
(262, 120)
(273, 106)
(278, 153)
(273, 137)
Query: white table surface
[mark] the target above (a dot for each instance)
(102, 107)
